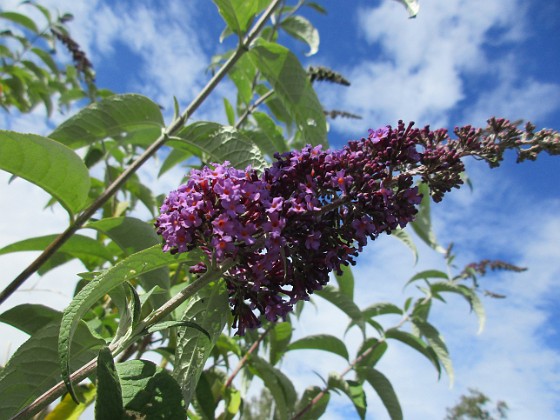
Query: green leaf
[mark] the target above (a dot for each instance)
(20, 20)
(238, 13)
(34, 368)
(86, 249)
(344, 303)
(470, 296)
(374, 348)
(403, 236)
(412, 7)
(382, 308)
(29, 317)
(346, 282)
(268, 136)
(219, 143)
(129, 118)
(415, 343)
(353, 389)
(230, 113)
(150, 390)
(422, 225)
(142, 262)
(435, 340)
(243, 76)
(280, 337)
(323, 342)
(109, 404)
(300, 28)
(133, 235)
(428, 274)
(291, 84)
(318, 409)
(278, 384)
(209, 309)
(47, 59)
(172, 324)
(47, 164)
(385, 390)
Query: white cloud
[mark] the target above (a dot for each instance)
(419, 68)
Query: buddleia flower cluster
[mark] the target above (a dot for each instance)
(312, 211)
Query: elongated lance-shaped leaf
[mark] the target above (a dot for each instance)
(208, 309)
(109, 404)
(300, 28)
(278, 340)
(238, 14)
(422, 224)
(382, 308)
(29, 317)
(278, 384)
(133, 235)
(346, 282)
(128, 118)
(131, 267)
(323, 342)
(34, 367)
(469, 294)
(84, 248)
(47, 164)
(427, 274)
(150, 391)
(412, 7)
(435, 340)
(385, 390)
(353, 389)
(217, 143)
(344, 303)
(415, 343)
(291, 84)
(318, 409)
(406, 239)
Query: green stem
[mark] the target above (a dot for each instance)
(112, 189)
(116, 348)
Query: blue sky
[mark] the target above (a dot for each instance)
(458, 62)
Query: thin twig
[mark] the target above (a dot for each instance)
(245, 357)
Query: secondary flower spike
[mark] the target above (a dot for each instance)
(314, 210)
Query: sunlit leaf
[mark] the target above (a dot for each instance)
(291, 84)
(436, 342)
(323, 342)
(384, 389)
(412, 7)
(346, 282)
(67, 409)
(47, 164)
(300, 28)
(318, 408)
(209, 309)
(128, 118)
(279, 338)
(20, 19)
(415, 343)
(403, 236)
(278, 384)
(353, 389)
(142, 262)
(218, 143)
(422, 224)
(468, 294)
